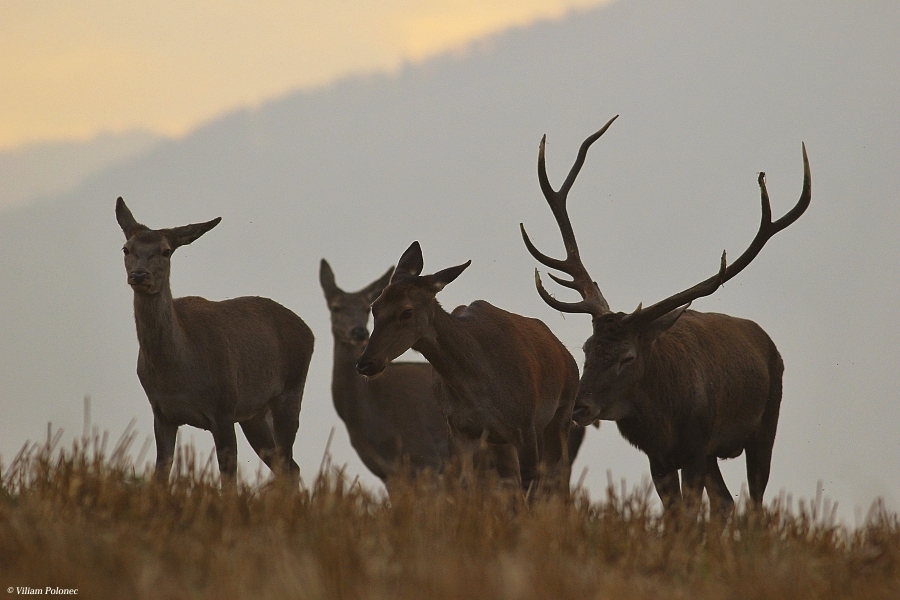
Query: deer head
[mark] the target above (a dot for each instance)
(617, 351)
(148, 251)
(350, 310)
(404, 311)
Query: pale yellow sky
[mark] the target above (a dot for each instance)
(72, 70)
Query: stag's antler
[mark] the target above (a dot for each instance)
(592, 301)
(767, 229)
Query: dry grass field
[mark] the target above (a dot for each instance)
(81, 518)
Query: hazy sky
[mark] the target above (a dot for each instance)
(73, 70)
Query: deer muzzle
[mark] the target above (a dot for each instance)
(359, 334)
(368, 367)
(583, 415)
(138, 277)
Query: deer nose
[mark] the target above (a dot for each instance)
(366, 367)
(359, 334)
(138, 277)
(582, 415)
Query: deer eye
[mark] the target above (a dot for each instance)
(125, 251)
(167, 253)
(406, 314)
(625, 362)
(335, 309)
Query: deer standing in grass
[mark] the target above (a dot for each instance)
(502, 378)
(685, 387)
(393, 420)
(213, 364)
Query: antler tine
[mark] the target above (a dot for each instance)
(587, 306)
(767, 229)
(593, 301)
(579, 160)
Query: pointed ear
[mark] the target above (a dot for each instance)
(660, 325)
(181, 236)
(126, 220)
(445, 276)
(374, 289)
(410, 264)
(326, 280)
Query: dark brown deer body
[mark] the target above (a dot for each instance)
(685, 387)
(213, 364)
(502, 377)
(393, 420)
(708, 388)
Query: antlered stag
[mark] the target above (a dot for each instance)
(502, 377)
(685, 387)
(213, 364)
(393, 420)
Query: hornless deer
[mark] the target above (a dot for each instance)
(393, 420)
(685, 387)
(503, 378)
(213, 364)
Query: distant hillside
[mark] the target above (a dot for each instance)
(709, 94)
(48, 169)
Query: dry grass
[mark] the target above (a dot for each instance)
(82, 519)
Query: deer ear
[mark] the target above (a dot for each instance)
(445, 276)
(181, 236)
(410, 264)
(374, 289)
(326, 280)
(662, 324)
(126, 220)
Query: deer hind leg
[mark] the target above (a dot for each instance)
(758, 448)
(720, 499)
(471, 458)
(529, 448)
(259, 432)
(285, 415)
(505, 460)
(576, 437)
(555, 459)
(463, 449)
(226, 448)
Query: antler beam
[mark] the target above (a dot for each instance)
(767, 229)
(592, 301)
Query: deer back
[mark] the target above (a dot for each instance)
(256, 340)
(516, 362)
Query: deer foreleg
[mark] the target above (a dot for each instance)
(693, 481)
(165, 433)
(666, 484)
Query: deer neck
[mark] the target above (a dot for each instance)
(346, 383)
(160, 336)
(452, 351)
